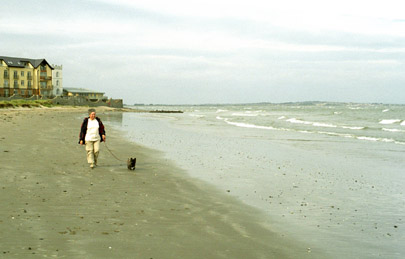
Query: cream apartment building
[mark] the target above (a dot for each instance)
(25, 77)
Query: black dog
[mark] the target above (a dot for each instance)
(131, 163)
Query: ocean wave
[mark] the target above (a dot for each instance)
(245, 114)
(320, 124)
(306, 131)
(353, 128)
(294, 120)
(393, 130)
(316, 124)
(246, 125)
(386, 122)
(220, 110)
(367, 138)
(336, 134)
(389, 140)
(329, 133)
(373, 139)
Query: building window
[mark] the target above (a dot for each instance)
(29, 84)
(57, 82)
(15, 84)
(22, 92)
(6, 83)
(22, 82)
(57, 91)
(43, 84)
(6, 93)
(57, 74)
(22, 73)
(30, 92)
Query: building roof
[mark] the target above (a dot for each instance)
(81, 91)
(21, 62)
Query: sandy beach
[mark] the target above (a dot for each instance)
(54, 205)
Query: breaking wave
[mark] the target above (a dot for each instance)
(329, 133)
(387, 122)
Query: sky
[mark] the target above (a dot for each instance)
(216, 51)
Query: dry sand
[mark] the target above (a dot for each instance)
(54, 205)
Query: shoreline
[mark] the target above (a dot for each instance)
(54, 205)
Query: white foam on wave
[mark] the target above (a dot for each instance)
(377, 139)
(387, 140)
(386, 110)
(306, 131)
(345, 135)
(367, 138)
(393, 130)
(197, 115)
(373, 139)
(281, 117)
(403, 123)
(353, 128)
(246, 125)
(318, 124)
(220, 110)
(386, 122)
(294, 120)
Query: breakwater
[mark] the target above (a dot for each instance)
(72, 101)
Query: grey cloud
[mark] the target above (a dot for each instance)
(170, 74)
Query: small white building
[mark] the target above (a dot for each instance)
(57, 79)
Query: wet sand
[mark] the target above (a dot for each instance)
(54, 205)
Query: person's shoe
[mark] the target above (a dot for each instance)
(92, 165)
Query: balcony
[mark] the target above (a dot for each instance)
(45, 78)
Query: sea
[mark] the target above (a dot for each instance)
(330, 175)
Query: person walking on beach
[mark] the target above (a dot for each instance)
(91, 134)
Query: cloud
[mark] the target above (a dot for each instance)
(184, 51)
